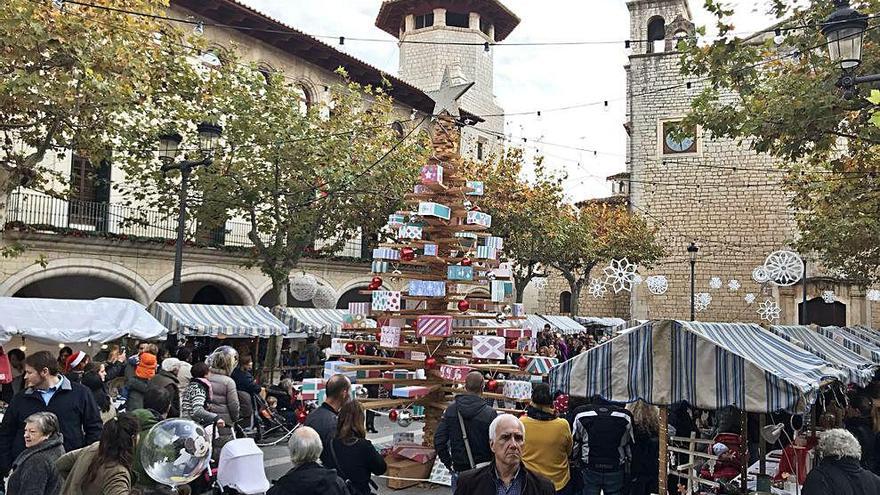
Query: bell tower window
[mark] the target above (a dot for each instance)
(656, 34)
(425, 20)
(457, 19)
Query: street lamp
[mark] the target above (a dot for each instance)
(692, 252)
(844, 29)
(209, 134)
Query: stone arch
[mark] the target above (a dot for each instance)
(105, 270)
(656, 30)
(220, 276)
(344, 292)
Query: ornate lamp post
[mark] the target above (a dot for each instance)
(845, 29)
(692, 253)
(168, 145)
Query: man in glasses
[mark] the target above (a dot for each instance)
(506, 474)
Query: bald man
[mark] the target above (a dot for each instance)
(471, 410)
(323, 419)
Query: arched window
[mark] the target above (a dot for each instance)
(305, 98)
(565, 302)
(656, 34)
(266, 70)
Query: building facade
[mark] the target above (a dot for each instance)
(81, 248)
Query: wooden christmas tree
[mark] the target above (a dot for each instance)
(442, 254)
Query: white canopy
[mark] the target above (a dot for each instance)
(74, 321)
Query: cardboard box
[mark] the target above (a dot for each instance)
(405, 468)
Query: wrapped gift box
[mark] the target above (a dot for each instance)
(468, 239)
(432, 173)
(429, 209)
(430, 250)
(427, 288)
(335, 368)
(514, 333)
(495, 242)
(337, 347)
(416, 356)
(458, 272)
(456, 360)
(486, 253)
(479, 218)
(390, 337)
(350, 321)
(487, 347)
(519, 309)
(369, 373)
(515, 389)
(312, 384)
(526, 344)
(359, 308)
(477, 187)
(396, 220)
(421, 189)
(502, 291)
(399, 375)
(403, 437)
(386, 300)
(411, 392)
(418, 410)
(379, 266)
(385, 253)
(454, 373)
(316, 395)
(434, 326)
(540, 364)
(410, 231)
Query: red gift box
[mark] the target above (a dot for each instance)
(514, 333)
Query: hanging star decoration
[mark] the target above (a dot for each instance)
(733, 285)
(447, 95)
(715, 283)
(597, 288)
(828, 297)
(619, 275)
(769, 310)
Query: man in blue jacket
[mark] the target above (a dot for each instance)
(50, 391)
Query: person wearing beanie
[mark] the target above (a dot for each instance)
(75, 366)
(139, 382)
(548, 446)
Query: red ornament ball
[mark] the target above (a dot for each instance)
(492, 385)
(522, 362)
(377, 281)
(392, 415)
(475, 208)
(373, 286)
(362, 349)
(407, 254)
(430, 363)
(464, 305)
(301, 416)
(466, 262)
(350, 347)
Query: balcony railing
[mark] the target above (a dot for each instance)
(43, 213)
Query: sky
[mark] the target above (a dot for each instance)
(533, 77)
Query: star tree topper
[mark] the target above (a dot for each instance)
(446, 97)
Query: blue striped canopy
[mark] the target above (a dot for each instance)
(859, 370)
(564, 324)
(534, 322)
(203, 320)
(863, 334)
(311, 321)
(851, 342)
(664, 362)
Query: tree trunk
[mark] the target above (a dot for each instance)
(575, 297)
(520, 285)
(273, 348)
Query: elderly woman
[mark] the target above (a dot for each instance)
(839, 471)
(224, 393)
(307, 477)
(33, 472)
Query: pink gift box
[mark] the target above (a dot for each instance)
(432, 174)
(514, 333)
(410, 392)
(434, 326)
(454, 373)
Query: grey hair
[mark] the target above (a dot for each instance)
(305, 446)
(839, 443)
(46, 422)
(504, 417)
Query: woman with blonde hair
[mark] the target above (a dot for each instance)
(224, 393)
(645, 451)
(353, 456)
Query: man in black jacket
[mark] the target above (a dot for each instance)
(838, 470)
(506, 473)
(323, 419)
(48, 390)
(603, 437)
(471, 409)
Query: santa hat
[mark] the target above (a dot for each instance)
(75, 359)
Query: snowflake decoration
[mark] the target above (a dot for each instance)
(761, 274)
(769, 310)
(637, 279)
(597, 288)
(750, 298)
(733, 285)
(785, 267)
(619, 275)
(715, 283)
(540, 283)
(873, 295)
(702, 300)
(828, 297)
(657, 284)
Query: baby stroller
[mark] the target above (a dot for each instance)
(240, 470)
(265, 422)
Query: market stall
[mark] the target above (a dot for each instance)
(851, 342)
(45, 323)
(202, 320)
(860, 370)
(303, 322)
(563, 324)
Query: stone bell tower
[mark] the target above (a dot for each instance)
(428, 31)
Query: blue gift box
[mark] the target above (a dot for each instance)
(427, 288)
(396, 220)
(486, 253)
(479, 218)
(502, 291)
(430, 250)
(379, 266)
(335, 368)
(386, 254)
(410, 231)
(476, 185)
(496, 243)
(458, 272)
(427, 208)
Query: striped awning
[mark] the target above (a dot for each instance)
(851, 342)
(664, 362)
(863, 334)
(203, 320)
(564, 324)
(534, 322)
(311, 321)
(860, 370)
